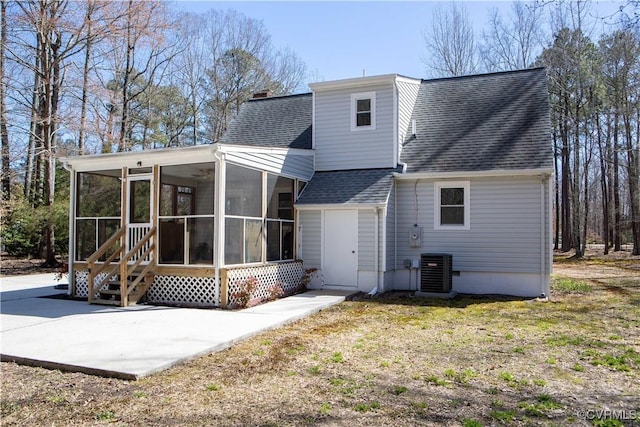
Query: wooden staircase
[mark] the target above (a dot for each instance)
(112, 294)
(123, 278)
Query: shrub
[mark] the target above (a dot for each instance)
(22, 227)
(275, 291)
(245, 293)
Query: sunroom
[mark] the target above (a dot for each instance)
(185, 226)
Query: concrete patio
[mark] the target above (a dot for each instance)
(130, 342)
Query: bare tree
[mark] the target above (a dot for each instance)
(58, 36)
(515, 43)
(189, 68)
(243, 62)
(450, 42)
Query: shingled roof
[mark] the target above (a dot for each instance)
(283, 121)
(361, 186)
(497, 121)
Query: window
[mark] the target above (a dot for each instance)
(451, 207)
(363, 111)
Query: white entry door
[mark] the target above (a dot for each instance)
(340, 253)
(139, 207)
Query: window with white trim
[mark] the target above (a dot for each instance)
(451, 205)
(363, 111)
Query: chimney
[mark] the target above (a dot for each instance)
(262, 94)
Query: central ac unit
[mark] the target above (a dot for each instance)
(436, 271)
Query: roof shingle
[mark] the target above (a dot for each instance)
(496, 121)
(283, 121)
(368, 186)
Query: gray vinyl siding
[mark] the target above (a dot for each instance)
(505, 234)
(407, 95)
(291, 165)
(311, 222)
(366, 240)
(337, 147)
(391, 230)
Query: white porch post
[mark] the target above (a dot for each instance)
(219, 223)
(72, 231)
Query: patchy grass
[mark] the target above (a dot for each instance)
(569, 285)
(393, 360)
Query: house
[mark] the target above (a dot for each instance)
(375, 184)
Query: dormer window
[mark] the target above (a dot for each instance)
(363, 111)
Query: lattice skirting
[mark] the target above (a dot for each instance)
(81, 283)
(188, 291)
(185, 291)
(288, 275)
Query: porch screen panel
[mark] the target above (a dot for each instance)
(200, 240)
(280, 198)
(233, 242)
(243, 220)
(98, 207)
(85, 238)
(186, 214)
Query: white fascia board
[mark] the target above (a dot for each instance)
(168, 156)
(353, 83)
(344, 206)
(164, 156)
(471, 174)
(406, 79)
(235, 148)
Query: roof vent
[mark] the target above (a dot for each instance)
(413, 127)
(262, 94)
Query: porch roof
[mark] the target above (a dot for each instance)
(161, 156)
(362, 186)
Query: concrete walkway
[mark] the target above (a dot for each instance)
(130, 342)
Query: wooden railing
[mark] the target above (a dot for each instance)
(121, 267)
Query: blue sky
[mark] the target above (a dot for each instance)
(341, 39)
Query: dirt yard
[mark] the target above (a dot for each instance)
(393, 360)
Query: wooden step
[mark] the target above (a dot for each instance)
(111, 293)
(103, 301)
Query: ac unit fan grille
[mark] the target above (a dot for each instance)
(436, 271)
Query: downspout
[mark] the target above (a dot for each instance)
(543, 239)
(550, 179)
(404, 166)
(395, 234)
(376, 212)
(72, 228)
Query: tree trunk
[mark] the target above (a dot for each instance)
(603, 187)
(124, 119)
(566, 180)
(4, 132)
(30, 172)
(634, 193)
(85, 81)
(617, 229)
(556, 238)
